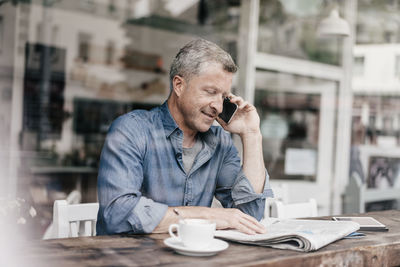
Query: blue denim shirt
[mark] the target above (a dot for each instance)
(141, 173)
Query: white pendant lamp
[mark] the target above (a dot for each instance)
(334, 25)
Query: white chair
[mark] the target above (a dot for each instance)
(67, 219)
(294, 210)
(281, 193)
(73, 198)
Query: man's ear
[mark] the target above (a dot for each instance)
(178, 85)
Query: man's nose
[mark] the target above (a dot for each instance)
(218, 105)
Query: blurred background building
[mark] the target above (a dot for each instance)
(329, 106)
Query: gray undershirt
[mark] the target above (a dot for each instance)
(189, 154)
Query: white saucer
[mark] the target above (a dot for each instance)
(216, 246)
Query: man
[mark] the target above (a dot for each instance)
(173, 158)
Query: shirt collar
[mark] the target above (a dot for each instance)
(167, 120)
(170, 126)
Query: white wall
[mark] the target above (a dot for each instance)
(379, 69)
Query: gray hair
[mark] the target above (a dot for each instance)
(193, 55)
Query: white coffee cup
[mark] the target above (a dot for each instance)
(194, 233)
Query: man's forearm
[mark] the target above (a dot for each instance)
(253, 160)
(224, 219)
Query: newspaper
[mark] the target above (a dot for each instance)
(300, 235)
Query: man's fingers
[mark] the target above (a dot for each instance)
(244, 229)
(254, 225)
(234, 218)
(248, 227)
(242, 105)
(249, 224)
(237, 100)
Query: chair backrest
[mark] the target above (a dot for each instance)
(67, 219)
(294, 210)
(74, 197)
(281, 193)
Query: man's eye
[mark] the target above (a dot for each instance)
(211, 92)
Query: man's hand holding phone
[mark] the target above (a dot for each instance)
(239, 116)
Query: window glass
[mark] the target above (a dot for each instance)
(84, 40)
(81, 64)
(358, 68)
(397, 67)
(291, 114)
(289, 28)
(110, 52)
(55, 35)
(375, 146)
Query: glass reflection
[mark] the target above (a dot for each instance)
(375, 152)
(290, 121)
(288, 28)
(68, 68)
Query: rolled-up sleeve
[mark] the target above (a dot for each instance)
(246, 199)
(146, 215)
(234, 190)
(122, 206)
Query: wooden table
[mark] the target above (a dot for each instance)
(375, 249)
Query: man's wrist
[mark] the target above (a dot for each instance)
(251, 135)
(193, 212)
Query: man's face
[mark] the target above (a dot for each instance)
(202, 98)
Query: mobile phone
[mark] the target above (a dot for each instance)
(229, 109)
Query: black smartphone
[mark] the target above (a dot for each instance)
(229, 109)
